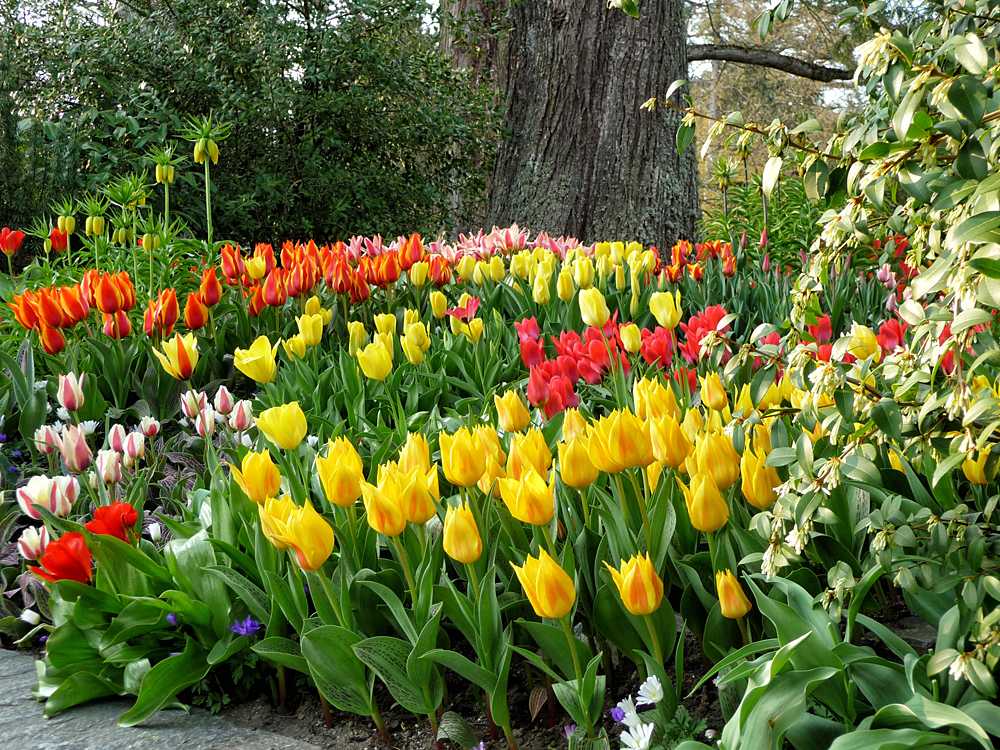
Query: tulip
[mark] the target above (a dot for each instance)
(258, 362)
(195, 312)
(671, 445)
(415, 495)
(180, 356)
(564, 285)
(285, 425)
(32, 542)
(864, 343)
(540, 289)
(412, 350)
(975, 470)
(461, 539)
(465, 267)
(574, 425)
(488, 481)
(66, 558)
(75, 451)
(631, 337)
(618, 442)
(224, 401)
(497, 270)
(117, 520)
(639, 586)
(529, 499)
(383, 508)
(547, 586)
(584, 272)
(134, 448)
(241, 419)
(714, 454)
(150, 427)
(666, 308)
(474, 329)
(439, 303)
(258, 477)
(313, 307)
(593, 307)
(706, 507)
(70, 392)
(575, 467)
(109, 466)
(211, 289)
(193, 403)
(462, 457)
(341, 472)
(759, 481)
(415, 453)
(309, 536)
(357, 337)
(528, 451)
(41, 491)
(375, 360)
(418, 273)
(733, 602)
(512, 415)
(204, 423)
(46, 440)
(256, 267)
(52, 339)
(10, 241)
(713, 392)
(274, 514)
(294, 347)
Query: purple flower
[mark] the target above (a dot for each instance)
(3, 437)
(569, 730)
(14, 470)
(172, 619)
(246, 627)
(15, 454)
(43, 638)
(305, 586)
(617, 714)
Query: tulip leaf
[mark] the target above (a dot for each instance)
(283, 596)
(453, 727)
(395, 607)
(417, 669)
(474, 673)
(552, 640)
(246, 589)
(189, 558)
(78, 688)
(138, 618)
(164, 681)
(387, 657)
(283, 651)
(132, 557)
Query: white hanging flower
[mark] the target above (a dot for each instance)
(650, 692)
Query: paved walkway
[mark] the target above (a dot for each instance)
(94, 726)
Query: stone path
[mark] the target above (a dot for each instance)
(94, 726)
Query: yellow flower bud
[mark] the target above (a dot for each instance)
(375, 360)
(594, 308)
(461, 539)
(575, 467)
(341, 472)
(547, 586)
(759, 481)
(512, 414)
(713, 392)
(564, 285)
(310, 328)
(639, 586)
(584, 272)
(259, 477)
(285, 425)
(666, 308)
(418, 273)
(733, 601)
(631, 337)
(358, 337)
(439, 303)
(706, 507)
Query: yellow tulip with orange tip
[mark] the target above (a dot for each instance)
(462, 457)
(574, 425)
(285, 425)
(415, 496)
(512, 414)
(383, 508)
(258, 476)
(341, 472)
(547, 586)
(309, 536)
(488, 438)
(975, 470)
(575, 467)
(258, 362)
(761, 436)
(744, 404)
(274, 514)
(714, 454)
(733, 602)
(639, 586)
(488, 481)
(461, 540)
(618, 442)
(713, 392)
(528, 451)
(759, 481)
(179, 356)
(706, 507)
(671, 445)
(529, 499)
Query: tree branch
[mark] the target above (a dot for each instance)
(767, 59)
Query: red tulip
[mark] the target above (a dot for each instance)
(538, 387)
(59, 240)
(52, 339)
(211, 289)
(195, 312)
(10, 241)
(114, 520)
(66, 559)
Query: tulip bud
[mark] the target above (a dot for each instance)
(46, 440)
(116, 438)
(575, 467)
(461, 539)
(418, 273)
(547, 586)
(224, 401)
(76, 453)
(706, 507)
(150, 427)
(564, 285)
(666, 308)
(67, 491)
(631, 337)
(70, 393)
(32, 542)
(241, 418)
(759, 481)
(109, 466)
(639, 586)
(733, 602)
(205, 423)
(540, 289)
(594, 308)
(439, 303)
(512, 416)
(135, 447)
(713, 392)
(193, 403)
(763, 239)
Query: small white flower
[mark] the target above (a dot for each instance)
(88, 427)
(62, 414)
(313, 440)
(154, 531)
(638, 738)
(631, 718)
(650, 692)
(183, 422)
(31, 617)
(40, 385)
(247, 440)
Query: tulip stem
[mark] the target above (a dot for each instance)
(657, 651)
(405, 562)
(586, 507)
(377, 718)
(621, 496)
(548, 542)
(641, 497)
(352, 521)
(711, 549)
(584, 700)
(474, 579)
(743, 630)
(321, 574)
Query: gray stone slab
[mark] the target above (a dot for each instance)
(94, 726)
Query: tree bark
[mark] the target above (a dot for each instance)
(581, 159)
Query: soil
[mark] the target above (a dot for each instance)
(303, 718)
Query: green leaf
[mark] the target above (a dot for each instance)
(282, 651)
(80, 688)
(552, 640)
(246, 589)
(339, 673)
(889, 418)
(387, 658)
(453, 727)
(164, 681)
(464, 667)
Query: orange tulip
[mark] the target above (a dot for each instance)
(195, 312)
(211, 289)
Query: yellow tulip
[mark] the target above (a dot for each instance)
(584, 272)
(488, 481)
(759, 481)
(540, 290)
(575, 467)
(512, 414)
(762, 436)
(529, 499)
(488, 438)
(733, 601)
(666, 308)
(639, 586)
(375, 360)
(386, 323)
(574, 425)
(693, 424)
(594, 308)
(309, 536)
(461, 540)
(180, 356)
(256, 267)
(564, 285)
(341, 472)
(418, 273)
(285, 425)
(618, 442)
(412, 351)
(896, 462)
(383, 508)
(497, 271)
(604, 269)
(473, 330)
(274, 515)
(671, 445)
(415, 495)
(714, 454)
(653, 472)
(310, 328)
(259, 478)
(410, 317)
(465, 267)
(975, 471)
(744, 403)
(602, 250)
(295, 346)
(439, 303)
(415, 453)
(528, 451)
(547, 586)
(631, 337)
(706, 507)
(315, 307)
(713, 392)
(258, 362)
(358, 337)
(864, 343)
(462, 457)
(519, 266)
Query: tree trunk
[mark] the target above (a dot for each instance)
(581, 158)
